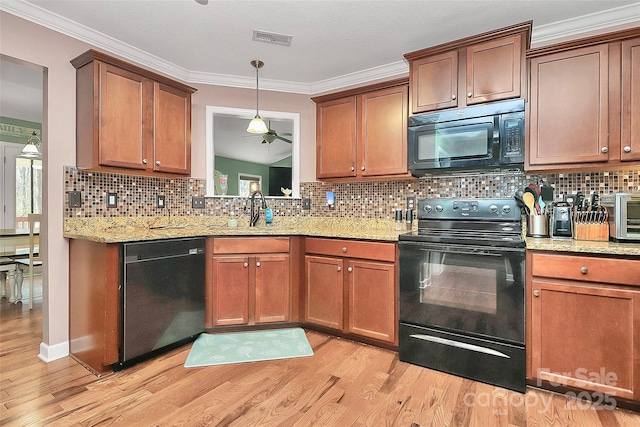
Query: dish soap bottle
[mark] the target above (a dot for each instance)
(268, 215)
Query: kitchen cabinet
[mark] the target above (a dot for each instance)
(630, 100)
(483, 68)
(362, 133)
(584, 323)
(94, 304)
(582, 95)
(350, 287)
(130, 119)
(249, 281)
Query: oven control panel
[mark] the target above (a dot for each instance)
(490, 208)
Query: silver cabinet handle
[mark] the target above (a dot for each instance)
(258, 264)
(453, 97)
(605, 149)
(158, 162)
(362, 168)
(584, 270)
(344, 249)
(536, 293)
(144, 161)
(350, 269)
(339, 268)
(352, 168)
(246, 264)
(627, 149)
(469, 94)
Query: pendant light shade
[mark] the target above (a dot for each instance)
(257, 125)
(30, 150)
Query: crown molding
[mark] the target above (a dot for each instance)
(570, 28)
(578, 26)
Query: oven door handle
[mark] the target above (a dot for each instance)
(461, 249)
(459, 344)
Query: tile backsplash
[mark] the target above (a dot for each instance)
(367, 200)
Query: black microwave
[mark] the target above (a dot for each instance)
(480, 137)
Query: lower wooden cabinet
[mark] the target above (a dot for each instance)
(249, 281)
(350, 286)
(584, 323)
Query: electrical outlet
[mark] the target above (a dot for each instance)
(75, 199)
(197, 202)
(112, 200)
(411, 202)
(160, 201)
(306, 204)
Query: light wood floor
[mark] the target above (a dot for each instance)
(343, 384)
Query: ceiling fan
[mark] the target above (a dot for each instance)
(271, 135)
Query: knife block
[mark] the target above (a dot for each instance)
(596, 232)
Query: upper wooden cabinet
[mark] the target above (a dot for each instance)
(483, 68)
(584, 103)
(129, 118)
(630, 100)
(362, 133)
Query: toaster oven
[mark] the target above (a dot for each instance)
(624, 215)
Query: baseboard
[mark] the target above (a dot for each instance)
(49, 353)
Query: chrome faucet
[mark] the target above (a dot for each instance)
(255, 210)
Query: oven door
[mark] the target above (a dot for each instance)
(478, 291)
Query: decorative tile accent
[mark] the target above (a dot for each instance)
(356, 200)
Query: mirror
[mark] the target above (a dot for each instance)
(235, 158)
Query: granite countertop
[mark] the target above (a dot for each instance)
(120, 230)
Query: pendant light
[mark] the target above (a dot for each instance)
(30, 150)
(257, 125)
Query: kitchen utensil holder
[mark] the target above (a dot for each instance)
(538, 226)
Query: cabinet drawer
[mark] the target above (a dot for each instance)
(352, 249)
(585, 268)
(250, 245)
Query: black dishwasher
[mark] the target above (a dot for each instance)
(161, 297)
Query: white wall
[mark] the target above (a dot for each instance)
(30, 42)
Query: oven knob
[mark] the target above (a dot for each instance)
(428, 208)
(493, 209)
(439, 208)
(506, 209)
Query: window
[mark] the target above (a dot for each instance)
(243, 183)
(28, 190)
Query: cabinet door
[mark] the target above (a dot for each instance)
(230, 295)
(272, 288)
(630, 100)
(123, 118)
(586, 336)
(372, 310)
(434, 82)
(494, 70)
(324, 291)
(171, 130)
(382, 142)
(336, 138)
(569, 107)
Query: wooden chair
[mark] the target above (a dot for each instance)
(34, 261)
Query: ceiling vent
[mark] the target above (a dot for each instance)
(273, 38)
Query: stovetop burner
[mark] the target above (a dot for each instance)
(483, 222)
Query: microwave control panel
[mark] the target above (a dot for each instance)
(513, 138)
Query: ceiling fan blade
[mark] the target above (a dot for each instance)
(284, 139)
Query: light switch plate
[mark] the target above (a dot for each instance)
(306, 204)
(75, 199)
(112, 200)
(160, 201)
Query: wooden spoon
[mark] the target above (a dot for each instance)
(530, 201)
